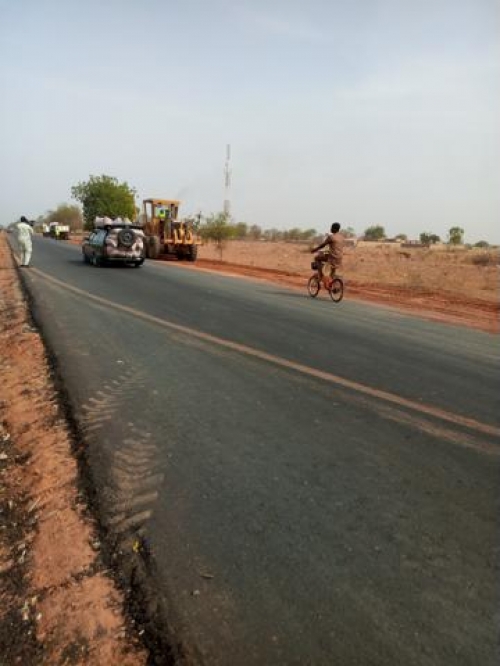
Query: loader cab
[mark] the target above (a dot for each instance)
(160, 216)
(165, 233)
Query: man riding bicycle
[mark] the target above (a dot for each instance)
(332, 257)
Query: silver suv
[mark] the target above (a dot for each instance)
(115, 243)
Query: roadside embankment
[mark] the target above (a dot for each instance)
(58, 602)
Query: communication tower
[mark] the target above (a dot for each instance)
(227, 182)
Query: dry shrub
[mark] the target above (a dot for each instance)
(484, 259)
(415, 279)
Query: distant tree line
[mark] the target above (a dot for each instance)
(455, 236)
(105, 196)
(64, 214)
(219, 229)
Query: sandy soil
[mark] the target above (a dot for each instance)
(58, 604)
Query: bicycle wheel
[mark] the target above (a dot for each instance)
(336, 291)
(313, 286)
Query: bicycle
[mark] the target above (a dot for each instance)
(334, 286)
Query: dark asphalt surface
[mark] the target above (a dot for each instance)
(291, 521)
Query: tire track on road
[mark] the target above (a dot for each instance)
(135, 480)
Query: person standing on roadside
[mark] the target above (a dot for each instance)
(332, 257)
(24, 239)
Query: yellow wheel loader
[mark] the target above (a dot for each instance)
(165, 233)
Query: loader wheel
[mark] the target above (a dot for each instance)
(126, 237)
(153, 247)
(193, 253)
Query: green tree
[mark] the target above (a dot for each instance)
(273, 235)
(374, 233)
(255, 232)
(308, 234)
(216, 228)
(482, 243)
(103, 196)
(293, 234)
(456, 236)
(349, 232)
(401, 237)
(240, 230)
(66, 214)
(429, 239)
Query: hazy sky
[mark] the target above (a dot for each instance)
(363, 112)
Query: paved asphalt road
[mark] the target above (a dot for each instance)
(323, 492)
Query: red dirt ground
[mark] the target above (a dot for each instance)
(58, 604)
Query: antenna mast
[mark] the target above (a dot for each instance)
(227, 182)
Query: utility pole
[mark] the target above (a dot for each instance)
(227, 183)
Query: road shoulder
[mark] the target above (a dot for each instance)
(59, 602)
